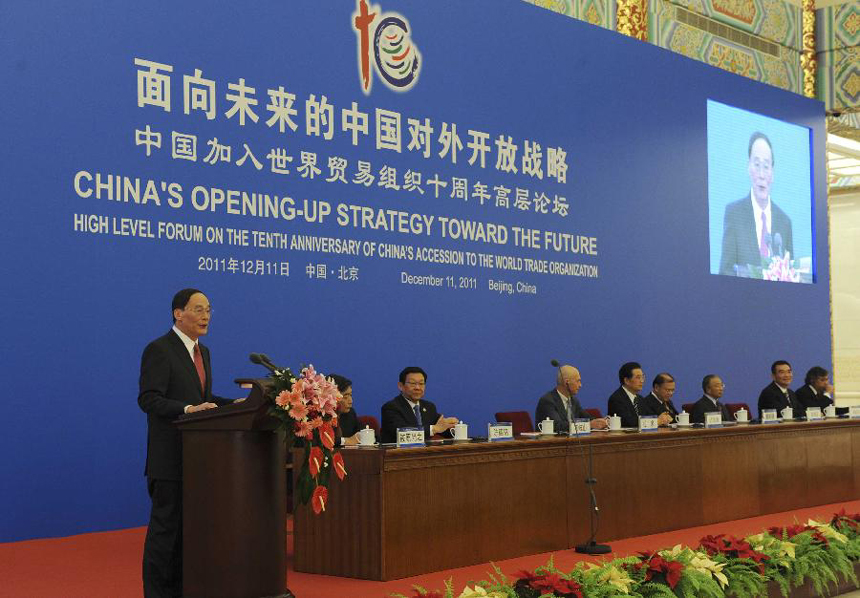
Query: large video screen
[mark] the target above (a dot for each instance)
(759, 196)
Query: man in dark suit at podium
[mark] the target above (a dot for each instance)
(777, 395)
(410, 410)
(754, 227)
(175, 378)
(625, 402)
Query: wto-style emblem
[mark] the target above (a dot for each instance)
(396, 57)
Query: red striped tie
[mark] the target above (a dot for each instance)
(198, 363)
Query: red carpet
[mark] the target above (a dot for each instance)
(107, 564)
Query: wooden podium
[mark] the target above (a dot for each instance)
(234, 500)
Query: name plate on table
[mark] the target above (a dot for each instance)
(814, 414)
(580, 426)
(648, 423)
(713, 419)
(407, 437)
(768, 416)
(500, 431)
(854, 412)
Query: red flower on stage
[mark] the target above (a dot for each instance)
(670, 570)
(848, 520)
(792, 530)
(319, 499)
(338, 464)
(327, 435)
(733, 547)
(315, 460)
(550, 582)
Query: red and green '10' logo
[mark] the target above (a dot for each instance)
(395, 56)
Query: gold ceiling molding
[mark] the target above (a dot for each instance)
(630, 18)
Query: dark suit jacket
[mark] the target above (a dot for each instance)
(348, 424)
(705, 405)
(169, 382)
(807, 398)
(619, 404)
(551, 406)
(397, 413)
(771, 397)
(654, 406)
(740, 241)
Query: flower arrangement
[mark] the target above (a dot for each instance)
(721, 566)
(780, 268)
(306, 410)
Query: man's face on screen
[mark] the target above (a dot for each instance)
(760, 169)
(783, 375)
(413, 388)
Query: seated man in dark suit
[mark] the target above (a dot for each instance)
(659, 400)
(713, 387)
(625, 402)
(777, 395)
(817, 390)
(561, 405)
(409, 410)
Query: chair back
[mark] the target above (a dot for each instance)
(688, 407)
(521, 420)
(593, 412)
(369, 420)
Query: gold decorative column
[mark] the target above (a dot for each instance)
(807, 58)
(630, 18)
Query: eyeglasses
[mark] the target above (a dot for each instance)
(199, 311)
(416, 384)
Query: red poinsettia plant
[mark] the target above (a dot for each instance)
(846, 522)
(733, 547)
(659, 569)
(548, 583)
(790, 531)
(306, 410)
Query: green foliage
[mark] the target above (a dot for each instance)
(745, 581)
(695, 584)
(650, 589)
(804, 557)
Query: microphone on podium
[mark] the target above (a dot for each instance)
(263, 360)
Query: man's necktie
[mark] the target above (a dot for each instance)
(417, 411)
(763, 248)
(198, 363)
(636, 404)
(567, 408)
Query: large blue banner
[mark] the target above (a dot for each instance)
(473, 187)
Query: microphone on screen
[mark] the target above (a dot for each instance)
(777, 244)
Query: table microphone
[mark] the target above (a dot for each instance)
(591, 546)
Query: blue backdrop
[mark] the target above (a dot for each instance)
(79, 303)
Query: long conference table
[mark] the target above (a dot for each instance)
(404, 512)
